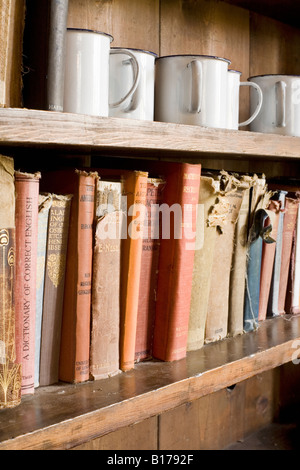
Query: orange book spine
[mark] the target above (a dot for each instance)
(176, 263)
(135, 189)
(149, 272)
(27, 193)
(75, 336)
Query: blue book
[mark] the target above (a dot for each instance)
(259, 234)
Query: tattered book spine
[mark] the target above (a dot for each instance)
(105, 324)
(27, 193)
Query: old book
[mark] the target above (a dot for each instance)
(75, 333)
(295, 286)
(149, 271)
(258, 203)
(55, 267)
(45, 201)
(12, 16)
(267, 258)
(105, 321)
(229, 204)
(10, 370)
(135, 190)
(289, 225)
(205, 241)
(239, 262)
(273, 310)
(27, 202)
(177, 250)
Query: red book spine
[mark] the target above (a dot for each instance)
(176, 262)
(149, 273)
(27, 193)
(75, 336)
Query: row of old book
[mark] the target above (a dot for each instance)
(104, 268)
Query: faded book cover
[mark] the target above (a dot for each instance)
(258, 203)
(55, 267)
(205, 241)
(176, 260)
(105, 322)
(135, 190)
(45, 201)
(289, 225)
(267, 258)
(149, 271)
(76, 316)
(10, 370)
(12, 19)
(27, 200)
(229, 204)
(239, 263)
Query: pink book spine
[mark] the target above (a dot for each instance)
(27, 192)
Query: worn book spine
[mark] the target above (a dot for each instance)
(149, 271)
(205, 241)
(12, 17)
(295, 294)
(267, 259)
(10, 369)
(55, 267)
(105, 324)
(56, 57)
(257, 217)
(238, 269)
(45, 201)
(75, 336)
(289, 225)
(273, 309)
(230, 200)
(27, 200)
(135, 190)
(175, 272)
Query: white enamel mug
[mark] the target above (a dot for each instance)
(233, 100)
(280, 113)
(86, 89)
(139, 104)
(191, 89)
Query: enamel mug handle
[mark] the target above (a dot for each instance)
(196, 95)
(259, 105)
(280, 90)
(136, 72)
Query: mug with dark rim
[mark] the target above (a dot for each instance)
(280, 112)
(191, 89)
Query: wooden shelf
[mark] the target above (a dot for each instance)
(114, 136)
(63, 416)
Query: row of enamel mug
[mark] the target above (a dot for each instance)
(186, 89)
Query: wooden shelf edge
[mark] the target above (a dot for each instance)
(64, 416)
(33, 128)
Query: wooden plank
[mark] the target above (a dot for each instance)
(141, 436)
(132, 23)
(21, 127)
(74, 414)
(210, 28)
(271, 35)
